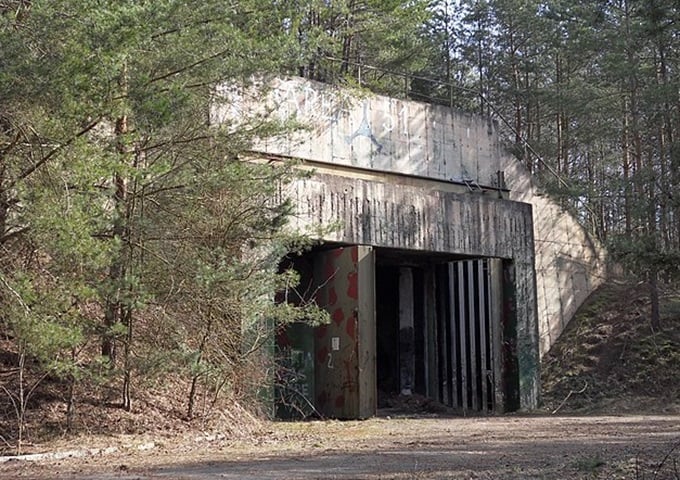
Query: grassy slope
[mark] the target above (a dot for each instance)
(610, 359)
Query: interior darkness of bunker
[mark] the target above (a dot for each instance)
(468, 347)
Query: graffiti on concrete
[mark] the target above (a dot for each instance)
(400, 136)
(364, 130)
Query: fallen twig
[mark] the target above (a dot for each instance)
(666, 458)
(571, 392)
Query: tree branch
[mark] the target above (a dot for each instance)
(30, 170)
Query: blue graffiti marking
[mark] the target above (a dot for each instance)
(364, 130)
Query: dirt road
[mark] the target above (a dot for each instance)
(515, 447)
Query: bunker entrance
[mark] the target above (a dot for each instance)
(445, 331)
(404, 325)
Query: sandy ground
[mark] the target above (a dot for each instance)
(512, 447)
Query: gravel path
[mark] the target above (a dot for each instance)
(515, 447)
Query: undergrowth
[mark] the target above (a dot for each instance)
(610, 360)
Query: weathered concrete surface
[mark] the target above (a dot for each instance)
(351, 128)
(388, 214)
(410, 175)
(570, 263)
(383, 134)
(392, 215)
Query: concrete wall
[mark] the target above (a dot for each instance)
(400, 216)
(345, 127)
(570, 263)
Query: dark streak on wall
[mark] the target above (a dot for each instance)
(405, 217)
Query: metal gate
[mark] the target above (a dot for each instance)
(468, 334)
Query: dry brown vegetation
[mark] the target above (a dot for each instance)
(610, 358)
(624, 424)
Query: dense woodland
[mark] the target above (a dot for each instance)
(135, 239)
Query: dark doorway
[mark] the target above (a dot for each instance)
(387, 326)
(446, 331)
(438, 331)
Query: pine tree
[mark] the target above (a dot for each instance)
(123, 211)
(342, 39)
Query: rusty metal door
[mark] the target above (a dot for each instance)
(345, 358)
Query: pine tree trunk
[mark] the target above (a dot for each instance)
(625, 143)
(196, 377)
(127, 365)
(113, 306)
(114, 309)
(192, 397)
(71, 404)
(347, 39)
(21, 408)
(480, 68)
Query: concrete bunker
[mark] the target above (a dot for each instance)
(429, 281)
(403, 323)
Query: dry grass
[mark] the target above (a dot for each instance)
(611, 360)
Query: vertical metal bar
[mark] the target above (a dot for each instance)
(463, 335)
(443, 320)
(483, 334)
(425, 326)
(453, 375)
(496, 300)
(406, 332)
(474, 371)
(431, 342)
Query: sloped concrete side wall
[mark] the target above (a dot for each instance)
(570, 263)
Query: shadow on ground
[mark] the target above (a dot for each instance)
(494, 448)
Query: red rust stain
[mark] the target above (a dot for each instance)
(332, 296)
(355, 255)
(322, 355)
(338, 252)
(340, 401)
(321, 331)
(353, 285)
(338, 316)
